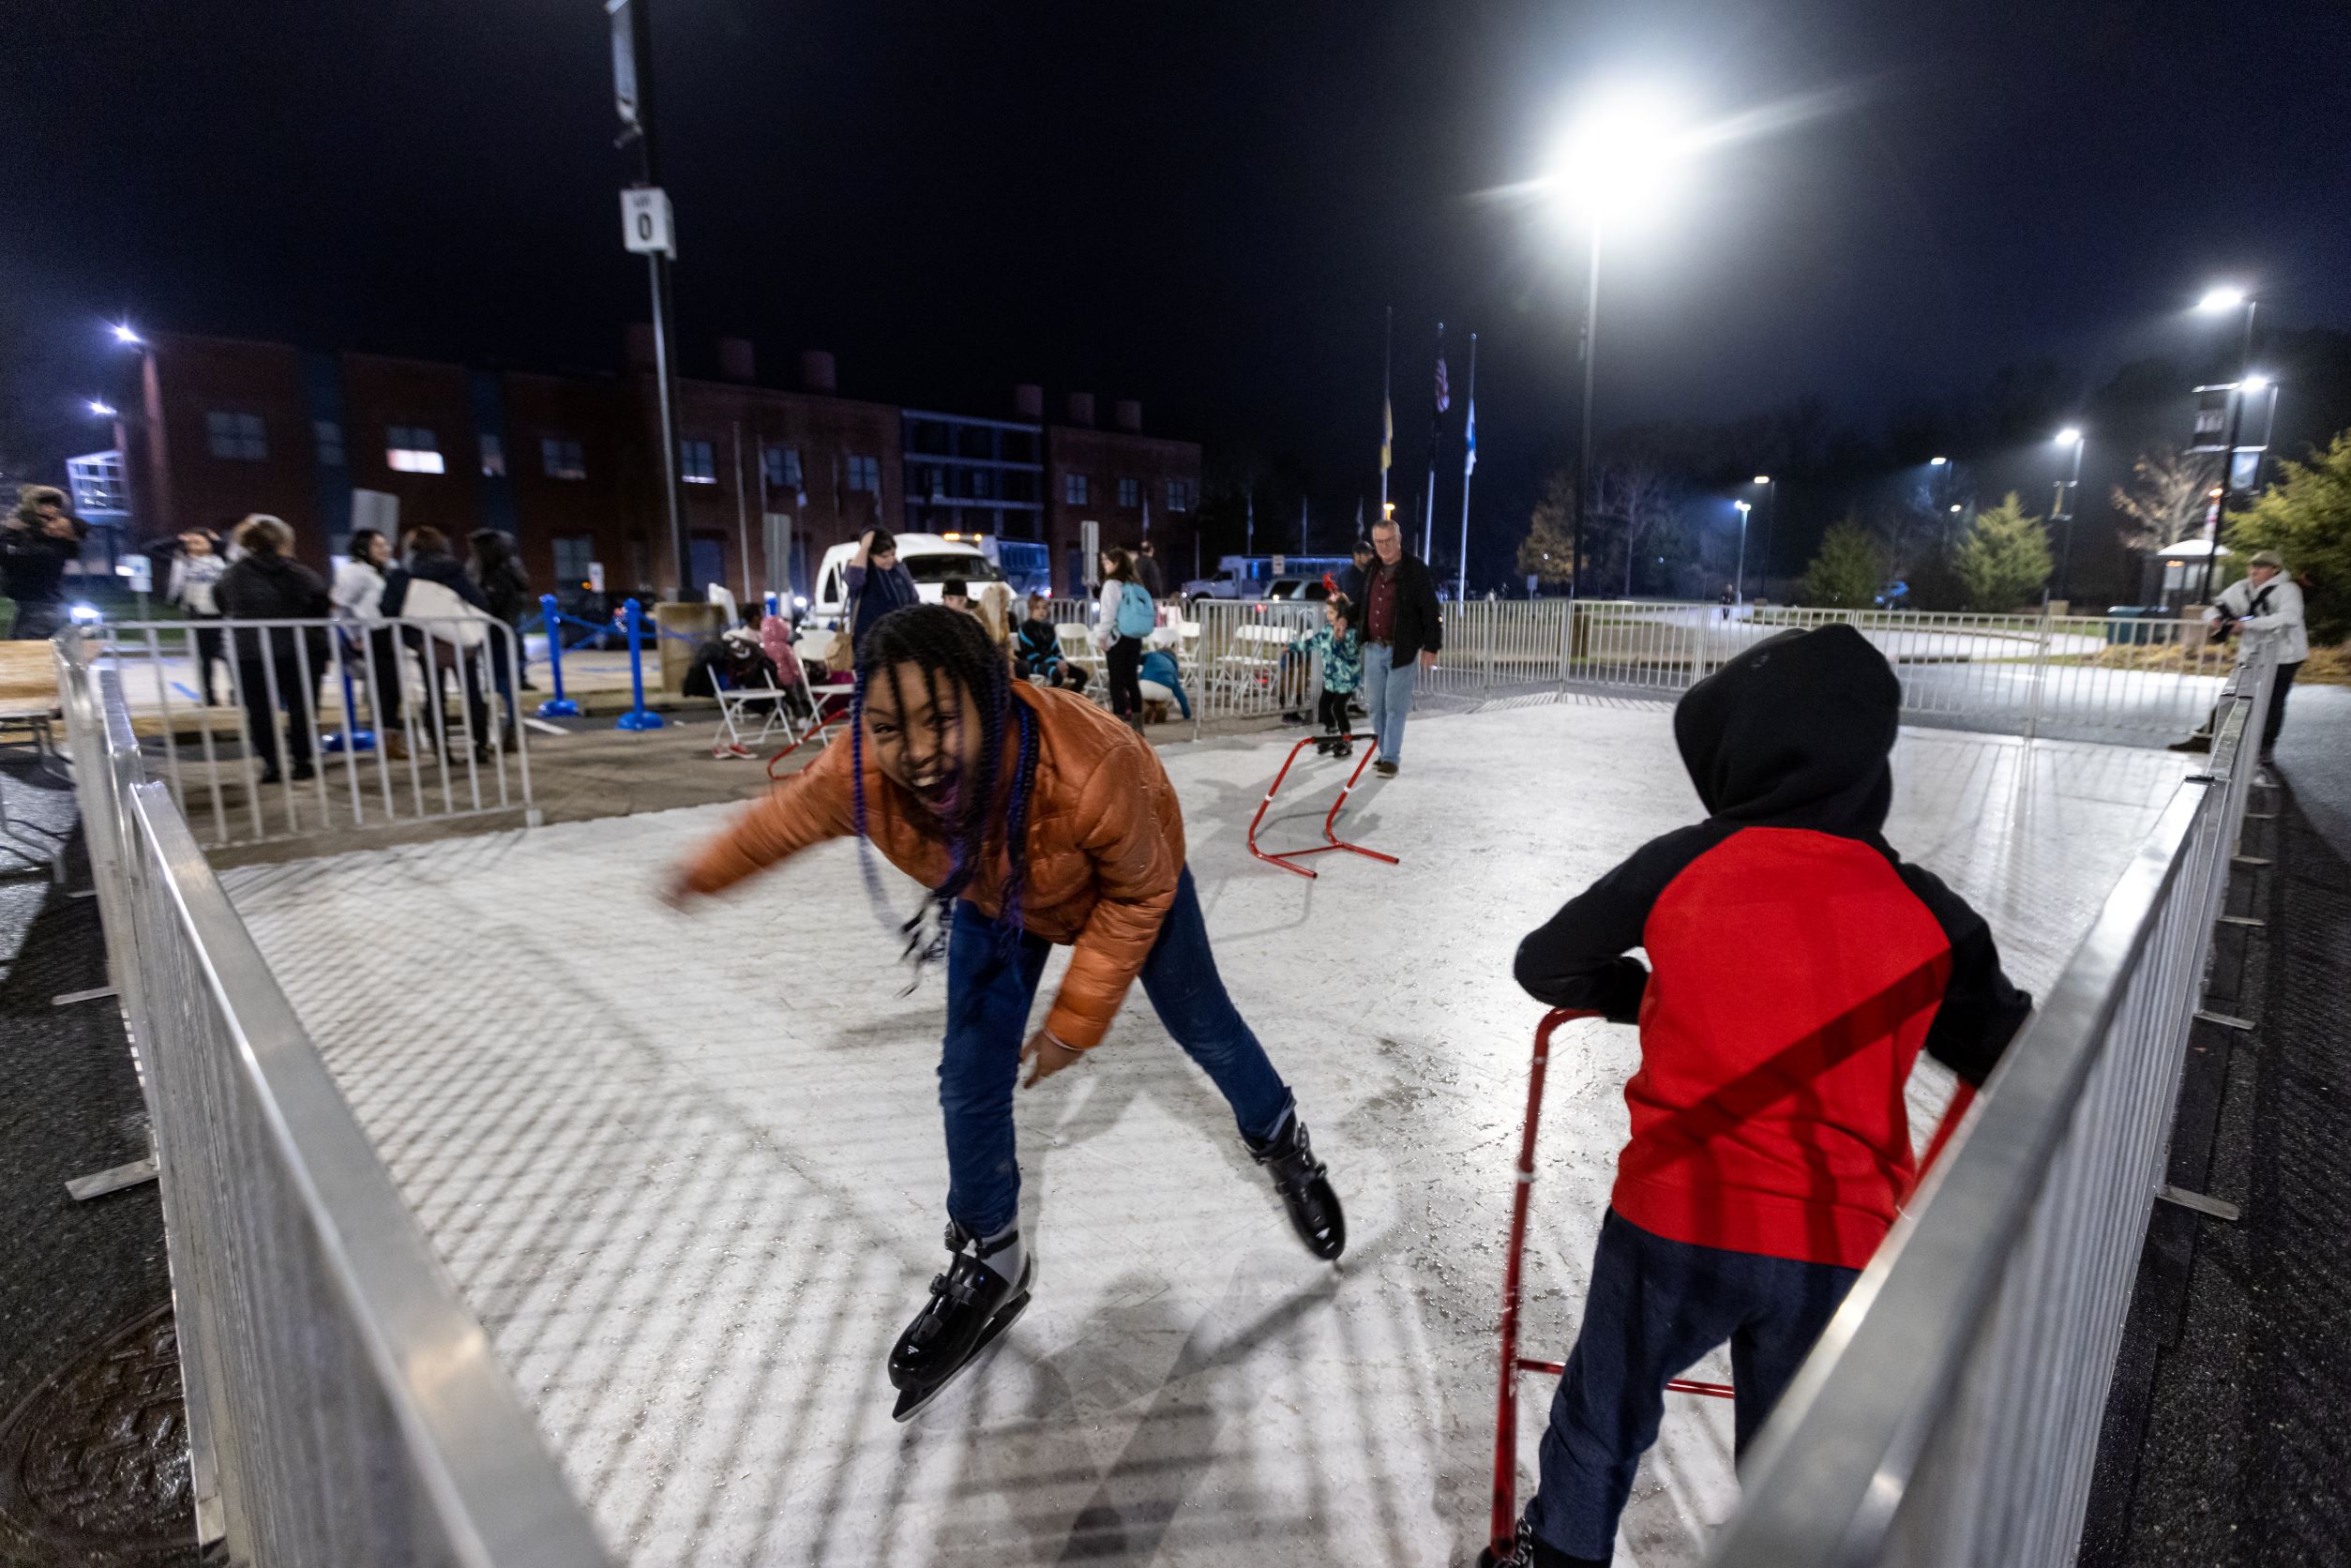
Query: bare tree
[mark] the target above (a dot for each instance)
(2166, 499)
(1635, 501)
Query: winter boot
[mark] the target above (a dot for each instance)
(1528, 1552)
(970, 1305)
(1304, 1186)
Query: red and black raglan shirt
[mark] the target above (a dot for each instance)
(1795, 967)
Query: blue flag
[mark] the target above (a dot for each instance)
(1470, 440)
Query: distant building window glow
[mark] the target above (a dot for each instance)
(783, 467)
(413, 449)
(237, 435)
(1073, 490)
(1179, 495)
(493, 457)
(330, 443)
(864, 473)
(697, 462)
(1130, 492)
(561, 458)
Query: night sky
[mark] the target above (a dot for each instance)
(1201, 205)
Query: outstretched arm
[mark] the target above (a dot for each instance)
(811, 805)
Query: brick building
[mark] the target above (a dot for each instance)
(570, 465)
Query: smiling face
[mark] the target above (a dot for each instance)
(921, 732)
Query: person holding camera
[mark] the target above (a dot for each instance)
(2268, 601)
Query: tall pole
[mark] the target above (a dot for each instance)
(1387, 407)
(1468, 465)
(633, 73)
(1436, 437)
(1738, 586)
(1770, 522)
(1587, 493)
(2228, 450)
(2066, 492)
(741, 518)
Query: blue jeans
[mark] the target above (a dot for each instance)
(1387, 697)
(1654, 1307)
(989, 997)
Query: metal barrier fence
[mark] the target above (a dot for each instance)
(429, 726)
(2094, 675)
(343, 1406)
(1951, 1415)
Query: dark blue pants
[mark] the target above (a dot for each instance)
(1654, 1307)
(989, 998)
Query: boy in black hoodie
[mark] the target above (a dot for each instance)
(1796, 968)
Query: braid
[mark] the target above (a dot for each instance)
(951, 648)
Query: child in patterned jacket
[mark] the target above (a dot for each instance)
(1342, 650)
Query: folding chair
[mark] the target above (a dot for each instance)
(738, 707)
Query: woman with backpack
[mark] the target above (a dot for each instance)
(1123, 619)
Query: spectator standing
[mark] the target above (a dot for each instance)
(1402, 632)
(36, 542)
(1147, 571)
(433, 588)
(193, 585)
(1353, 580)
(357, 593)
(275, 667)
(507, 589)
(878, 582)
(1123, 617)
(2268, 601)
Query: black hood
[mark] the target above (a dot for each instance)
(1794, 732)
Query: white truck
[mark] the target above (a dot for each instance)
(930, 559)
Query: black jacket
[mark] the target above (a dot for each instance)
(506, 593)
(272, 588)
(33, 565)
(1420, 625)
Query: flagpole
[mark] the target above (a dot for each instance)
(1436, 437)
(1469, 466)
(1387, 406)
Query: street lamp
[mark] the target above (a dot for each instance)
(101, 409)
(1618, 162)
(2217, 300)
(123, 333)
(1739, 589)
(1770, 520)
(2071, 437)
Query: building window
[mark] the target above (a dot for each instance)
(1179, 495)
(1130, 492)
(493, 457)
(330, 443)
(413, 449)
(783, 467)
(1074, 489)
(237, 435)
(560, 457)
(864, 473)
(700, 464)
(574, 554)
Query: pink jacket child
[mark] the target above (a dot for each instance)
(776, 642)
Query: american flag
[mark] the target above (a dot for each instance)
(1444, 394)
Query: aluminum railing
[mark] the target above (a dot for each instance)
(402, 720)
(344, 1406)
(2095, 676)
(1951, 1415)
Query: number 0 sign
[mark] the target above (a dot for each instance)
(645, 222)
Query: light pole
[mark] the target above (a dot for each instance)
(1738, 586)
(2067, 489)
(2215, 301)
(1771, 489)
(1619, 158)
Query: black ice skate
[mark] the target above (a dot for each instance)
(970, 1306)
(1528, 1552)
(1305, 1188)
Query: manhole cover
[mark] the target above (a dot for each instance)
(94, 1463)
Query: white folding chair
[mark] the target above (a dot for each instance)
(738, 708)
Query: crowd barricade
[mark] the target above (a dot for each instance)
(420, 715)
(2092, 676)
(342, 1405)
(1951, 1412)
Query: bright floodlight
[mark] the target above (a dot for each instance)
(1936, 462)
(101, 408)
(123, 333)
(1621, 156)
(2256, 382)
(1744, 506)
(1954, 506)
(1763, 478)
(2220, 299)
(2069, 437)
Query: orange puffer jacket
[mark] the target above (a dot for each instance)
(1105, 845)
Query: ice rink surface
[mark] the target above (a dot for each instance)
(688, 1170)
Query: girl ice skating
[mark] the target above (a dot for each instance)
(1034, 819)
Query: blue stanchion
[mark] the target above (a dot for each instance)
(557, 706)
(353, 739)
(640, 716)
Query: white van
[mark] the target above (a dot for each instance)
(930, 560)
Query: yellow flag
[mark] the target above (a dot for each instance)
(1387, 434)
